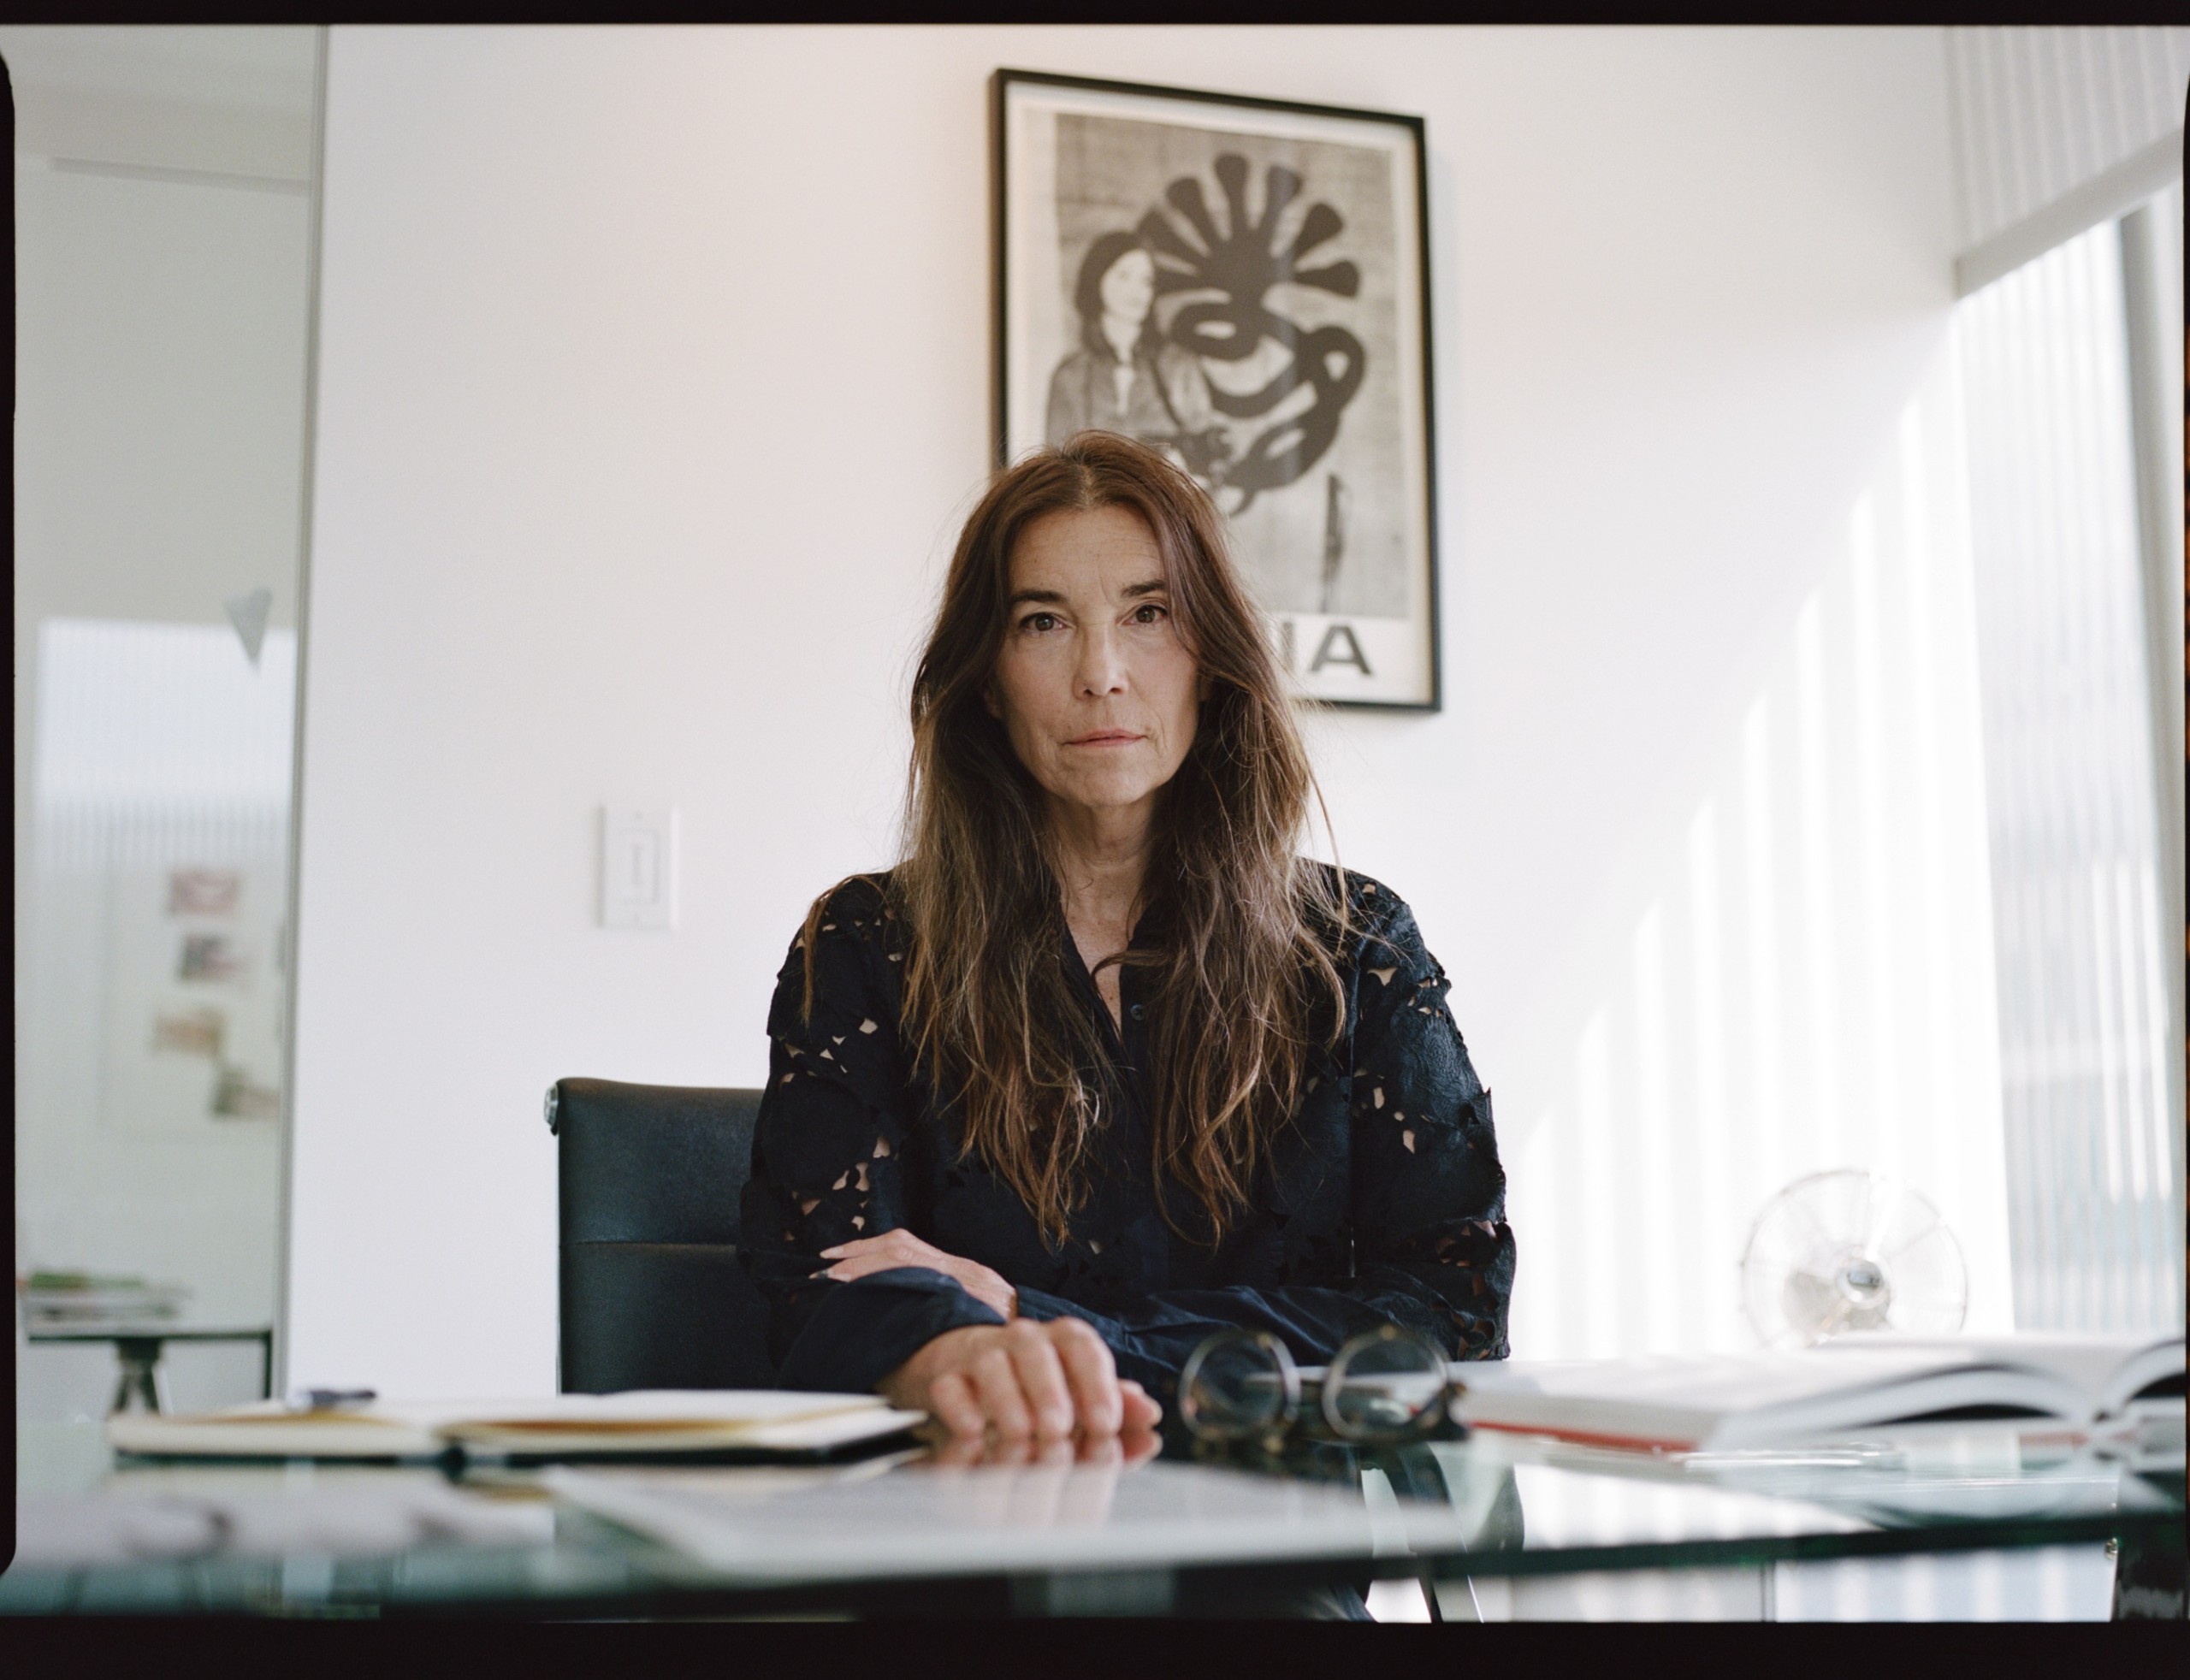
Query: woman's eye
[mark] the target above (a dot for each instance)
(1038, 622)
(1148, 612)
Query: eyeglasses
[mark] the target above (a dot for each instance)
(1385, 1385)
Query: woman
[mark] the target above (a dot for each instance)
(1103, 1067)
(1125, 377)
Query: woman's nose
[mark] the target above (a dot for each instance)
(1102, 668)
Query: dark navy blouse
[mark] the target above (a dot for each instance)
(1384, 1200)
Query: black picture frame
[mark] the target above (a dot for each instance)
(1333, 501)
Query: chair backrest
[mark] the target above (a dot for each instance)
(652, 1296)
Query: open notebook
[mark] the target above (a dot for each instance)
(726, 1423)
(1854, 1382)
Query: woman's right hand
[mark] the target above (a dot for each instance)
(1025, 1379)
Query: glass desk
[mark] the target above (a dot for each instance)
(902, 1535)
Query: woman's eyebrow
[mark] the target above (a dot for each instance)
(1056, 598)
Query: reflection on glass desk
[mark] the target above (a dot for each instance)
(901, 1533)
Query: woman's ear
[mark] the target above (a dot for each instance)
(989, 699)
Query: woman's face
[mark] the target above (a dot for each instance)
(1128, 287)
(1094, 685)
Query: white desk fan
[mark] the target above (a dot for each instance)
(1851, 1250)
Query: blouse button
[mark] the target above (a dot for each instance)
(1137, 1011)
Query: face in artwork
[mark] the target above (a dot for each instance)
(1094, 684)
(1128, 288)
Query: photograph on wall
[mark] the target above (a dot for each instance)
(193, 1009)
(1240, 283)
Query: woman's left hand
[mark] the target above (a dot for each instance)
(902, 1248)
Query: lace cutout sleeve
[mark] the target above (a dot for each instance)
(1429, 1194)
(832, 1122)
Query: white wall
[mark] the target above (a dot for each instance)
(1806, 981)
(655, 375)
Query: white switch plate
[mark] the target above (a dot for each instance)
(638, 866)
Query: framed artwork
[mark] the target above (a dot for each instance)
(1244, 284)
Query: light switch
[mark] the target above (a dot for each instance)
(638, 866)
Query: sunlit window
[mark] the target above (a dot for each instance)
(2082, 941)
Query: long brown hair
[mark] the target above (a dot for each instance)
(1240, 925)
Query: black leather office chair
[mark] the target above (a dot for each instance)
(652, 1296)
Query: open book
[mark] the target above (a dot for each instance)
(1861, 1381)
(726, 1423)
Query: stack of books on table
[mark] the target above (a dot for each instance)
(55, 1300)
(720, 1426)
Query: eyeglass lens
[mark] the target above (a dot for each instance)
(1236, 1386)
(1383, 1386)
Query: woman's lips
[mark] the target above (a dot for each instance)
(1105, 737)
